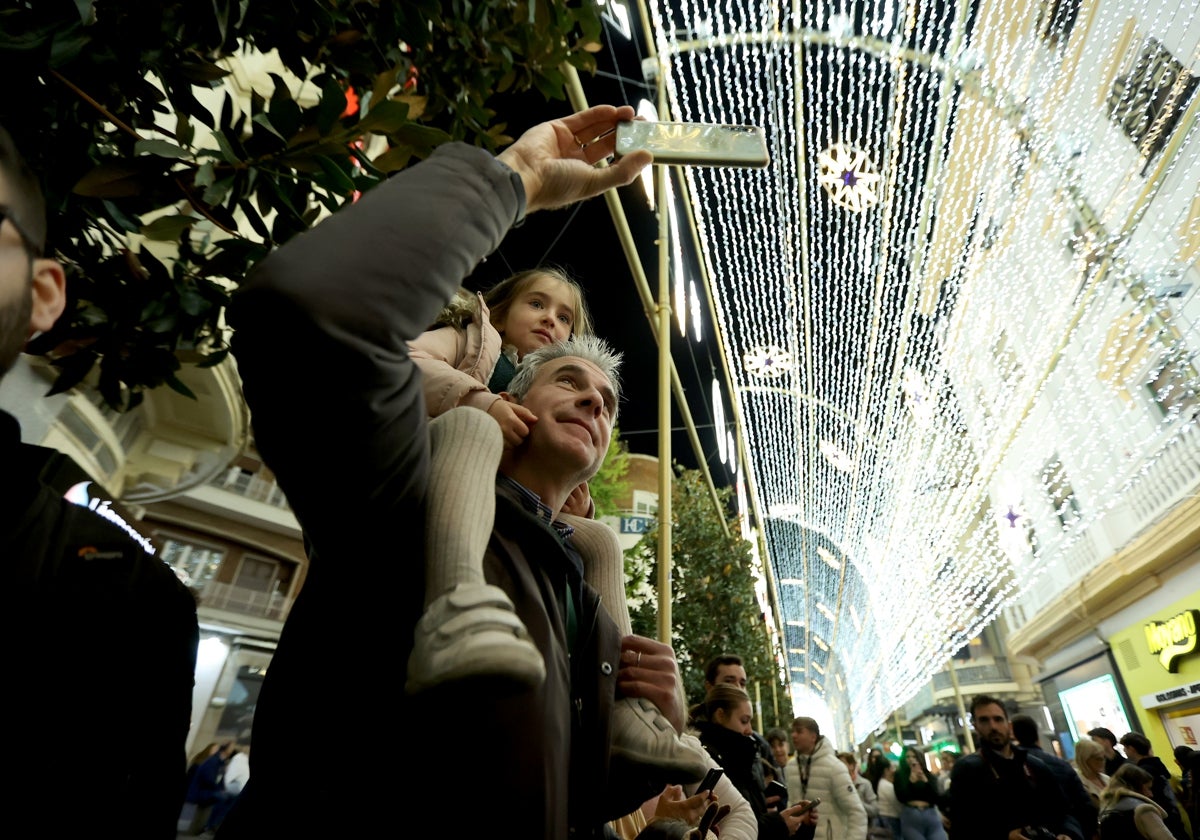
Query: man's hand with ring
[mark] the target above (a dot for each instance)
(648, 669)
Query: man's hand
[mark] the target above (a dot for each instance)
(579, 502)
(514, 420)
(556, 159)
(672, 804)
(648, 669)
(795, 819)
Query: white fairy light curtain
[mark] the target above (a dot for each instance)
(965, 286)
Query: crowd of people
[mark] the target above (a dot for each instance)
(480, 433)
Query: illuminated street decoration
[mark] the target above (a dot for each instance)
(849, 177)
(966, 285)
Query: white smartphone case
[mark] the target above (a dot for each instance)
(695, 144)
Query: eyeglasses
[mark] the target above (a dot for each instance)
(30, 244)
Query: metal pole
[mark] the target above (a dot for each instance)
(962, 709)
(664, 391)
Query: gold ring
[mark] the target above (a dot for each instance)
(639, 659)
(579, 142)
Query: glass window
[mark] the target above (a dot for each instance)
(195, 563)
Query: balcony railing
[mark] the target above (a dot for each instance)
(238, 599)
(1146, 499)
(251, 486)
(996, 672)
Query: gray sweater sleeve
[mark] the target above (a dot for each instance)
(321, 331)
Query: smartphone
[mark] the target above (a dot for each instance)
(710, 780)
(812, 804)
(777, 788)
(695, 144)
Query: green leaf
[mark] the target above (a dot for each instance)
(335, 178)
(72, 370)
(167, 228)
(110, 180)
(205, 174)
(227, 151)
(200, 71)
(394, 159)
(176, 385)
(385, 117)
(87, 12)
(162, 148)
(333, 103)
(119, 218)
(216, 193)
(184, 130)
(213, 359)
(265, 121)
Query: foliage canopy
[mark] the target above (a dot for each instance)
(714, 608)
(164, 188)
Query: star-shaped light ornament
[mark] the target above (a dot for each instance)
(849, 177)
(768, 362)
(836, 456)
(1012, 517)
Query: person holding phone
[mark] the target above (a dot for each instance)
(723, 723)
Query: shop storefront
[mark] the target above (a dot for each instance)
(1159, 659)
(1087, 694)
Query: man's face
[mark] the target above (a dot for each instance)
(804, 740)
(779, 750)
(991, 722)
(575, 404)
(16, 290)
(1132, 753)
(1105, 745)
(734, 675)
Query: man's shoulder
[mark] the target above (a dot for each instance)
(967, 765)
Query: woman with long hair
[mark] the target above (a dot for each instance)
(917, 790)
(1089, 764)
(1126, 810)
(723, 723)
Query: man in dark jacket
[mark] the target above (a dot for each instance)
(103, 635)
(1108, 742)
(1138, 749)
(1079, 802)
(1002, 792)
(349, 295)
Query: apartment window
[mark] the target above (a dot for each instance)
(645, 503)
(1057, 20)
(195, 563)
(89, 440)
(1059, 491)
(1172, 386)
(257, 574)
(1007, 364)
(1148, 99)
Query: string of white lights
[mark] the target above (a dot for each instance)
(959, 308)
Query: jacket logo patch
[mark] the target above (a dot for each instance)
(90, 552)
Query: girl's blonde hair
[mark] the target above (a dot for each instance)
(500, 297)
(463, 308)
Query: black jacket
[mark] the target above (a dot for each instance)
(990, 795)
(349, 295)
(1164, 795)
(101, 661)
(739, 756)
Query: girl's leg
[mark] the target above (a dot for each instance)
(469, 628)
(911, 827)
(642, 734)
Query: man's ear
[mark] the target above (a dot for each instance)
(49, 294)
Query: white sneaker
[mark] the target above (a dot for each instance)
(472, 631)
(644, 740)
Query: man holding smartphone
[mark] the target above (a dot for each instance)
(349, 295)
(820, 774)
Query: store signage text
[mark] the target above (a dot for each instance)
(1173, 638)
(1171, 695)
(636, 524)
